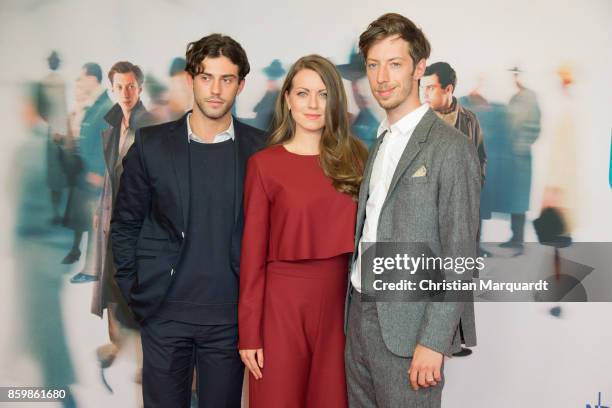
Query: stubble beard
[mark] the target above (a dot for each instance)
(214, 114)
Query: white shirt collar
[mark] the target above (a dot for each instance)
(227, 134)
(405, 124)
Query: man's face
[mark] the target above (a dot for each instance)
(126, 90)
(392, 75)
(438, 98)
(86, 83)
(216, 87)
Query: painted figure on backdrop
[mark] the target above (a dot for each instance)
(493, 119)
(525, 121)
(180, 94)
(56, 115)
(176, 233)
(264, 109)
(363, 125)
(159, 104)
(87, 167)
(421, 185)
(124, 119)
(38, 338)
(299, 210)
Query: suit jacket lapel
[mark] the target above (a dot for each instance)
(412, 149)
(364, 190)
(242, 151)
(177, 140)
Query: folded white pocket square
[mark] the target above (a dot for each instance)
(421, 172)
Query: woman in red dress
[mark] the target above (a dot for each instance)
(300, 207)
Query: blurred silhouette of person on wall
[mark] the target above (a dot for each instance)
(159, 104)
(180, 95)
(55, 114)
(364, 124)
(124, 118)
(264, 109)
(38, 279)
(88, 166)
(525, 117)
(560, 186)
(493, 119)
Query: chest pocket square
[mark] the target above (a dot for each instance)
(420, 172)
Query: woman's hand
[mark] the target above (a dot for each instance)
(254, 360)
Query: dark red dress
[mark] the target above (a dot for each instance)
(298, 233)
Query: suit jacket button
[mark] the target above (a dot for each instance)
(171, 271)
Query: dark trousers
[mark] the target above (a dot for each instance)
(517, 224)
(171, 349)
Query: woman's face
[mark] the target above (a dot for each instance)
(306, 99)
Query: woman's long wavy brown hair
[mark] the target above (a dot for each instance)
(342, 156)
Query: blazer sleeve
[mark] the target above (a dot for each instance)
(253, 258)
(131, 207)
(458, 206)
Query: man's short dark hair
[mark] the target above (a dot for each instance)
(391, 24)
(124, 67)
(446, 74)
(93, 69)
(216, 45)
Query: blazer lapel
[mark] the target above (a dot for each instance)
(178, 143)
(242, 151)
(412, 149)
(364, 190)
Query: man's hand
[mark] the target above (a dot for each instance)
(95, 179)
(426, 367)
(254, 360)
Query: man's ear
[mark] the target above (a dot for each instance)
(241, 85)
(189, 81)
(449, 89)
(419, 69)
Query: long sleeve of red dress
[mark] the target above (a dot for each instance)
(292, 212)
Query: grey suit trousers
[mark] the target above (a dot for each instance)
(377, 378)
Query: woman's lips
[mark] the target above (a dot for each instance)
(312, 116)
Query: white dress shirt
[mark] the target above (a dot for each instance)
(395, 139)
(227, 134)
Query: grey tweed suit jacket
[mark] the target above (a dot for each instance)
(440, 208)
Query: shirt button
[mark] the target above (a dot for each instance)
(183, 234)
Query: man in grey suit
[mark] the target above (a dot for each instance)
(421, 185)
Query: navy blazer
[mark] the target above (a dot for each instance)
(151, 210)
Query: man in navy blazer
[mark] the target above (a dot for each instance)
(176, 233)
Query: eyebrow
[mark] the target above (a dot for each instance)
(222, 75)
(389, 59)
(306, 89)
